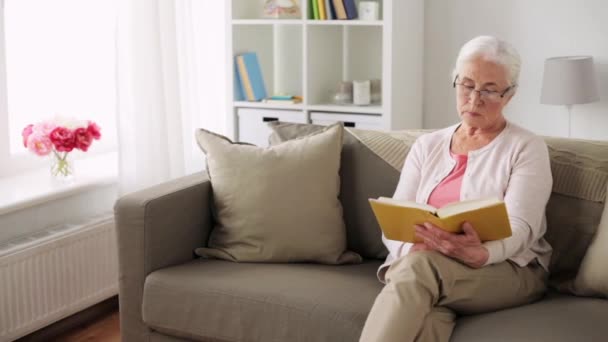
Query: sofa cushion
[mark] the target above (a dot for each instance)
(277, 204)
(556, 318)
(580, 178)
(219, 300)
(571, 225)
(363, 175)
(592, 278)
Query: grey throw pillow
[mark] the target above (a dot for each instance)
(277, 204)
(574, 212)
(592, 278)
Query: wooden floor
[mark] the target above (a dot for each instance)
(105, 329)
(97, 323)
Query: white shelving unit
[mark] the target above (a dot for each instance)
(309, 58)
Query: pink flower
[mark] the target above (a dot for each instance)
(45, 127)
(82, 138)
(94, 130)
(27, 131)
(39, 144)
(63, 139)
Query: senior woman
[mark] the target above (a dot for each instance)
(429, 283)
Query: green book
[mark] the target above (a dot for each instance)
(315, 9)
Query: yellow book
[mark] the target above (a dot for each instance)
(397, 218)
(322, 13)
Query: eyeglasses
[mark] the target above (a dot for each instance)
(485, 95)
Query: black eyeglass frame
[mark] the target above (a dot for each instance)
(502, 95)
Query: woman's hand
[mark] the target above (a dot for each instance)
(465, 247)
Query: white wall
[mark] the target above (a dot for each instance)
(538, 29)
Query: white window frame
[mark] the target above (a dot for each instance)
(5, 160)
(13, 164)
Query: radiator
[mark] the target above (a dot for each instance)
(54, 274)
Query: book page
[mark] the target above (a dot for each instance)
(464, 206)
(407, 204)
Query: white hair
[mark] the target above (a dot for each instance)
(491, 49)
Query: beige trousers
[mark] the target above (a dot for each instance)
(425, 291)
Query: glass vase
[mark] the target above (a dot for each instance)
(62, 168)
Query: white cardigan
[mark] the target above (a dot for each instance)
(513, 167)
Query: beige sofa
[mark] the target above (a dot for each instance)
(166, 294)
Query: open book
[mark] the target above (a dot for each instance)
(397, 218)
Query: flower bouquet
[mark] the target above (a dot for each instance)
(58, 138)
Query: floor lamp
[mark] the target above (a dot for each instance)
(568, 81)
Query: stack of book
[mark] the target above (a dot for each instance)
(283, 99)
(333, 9)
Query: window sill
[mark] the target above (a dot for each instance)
(36, 187)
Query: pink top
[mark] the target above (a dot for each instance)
(448, 190)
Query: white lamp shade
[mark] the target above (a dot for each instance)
(569, 80)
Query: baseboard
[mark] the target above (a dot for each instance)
(73, 322)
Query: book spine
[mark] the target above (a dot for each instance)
(321, 4)
(315, 9)
(281, 97)
(351, 9)
(331, 15)
(245, 82)
(255, 76)
(238, 85)
(340, 11)
(280, 101)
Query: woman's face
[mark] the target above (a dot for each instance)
(482, 110)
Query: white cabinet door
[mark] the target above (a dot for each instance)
(361, 121)
(253, 123)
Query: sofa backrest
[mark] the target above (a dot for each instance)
(371, 162)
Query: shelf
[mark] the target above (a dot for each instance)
(267, 22)
(313, 58)
(279, 52)
(287, 106)
(371, 109)
(250, 22)
(345, 22)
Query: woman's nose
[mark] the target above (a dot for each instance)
(475, 96)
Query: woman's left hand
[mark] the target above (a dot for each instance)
(465, 247)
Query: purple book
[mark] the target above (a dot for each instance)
(351, 9)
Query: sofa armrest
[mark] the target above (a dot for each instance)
(157, 227)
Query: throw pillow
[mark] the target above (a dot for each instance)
(574, 211)
(365, 172)
(592, 277)
(277, 204)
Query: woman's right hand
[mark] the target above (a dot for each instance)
(419, 246)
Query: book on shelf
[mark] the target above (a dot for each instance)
(321, 5)
(351, 9)
(283, 99)
(329, 11)
(397, 218)
(250, 76)
(238, 85)
(315, 9)
(340, 10)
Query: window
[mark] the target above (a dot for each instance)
(59, 59)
